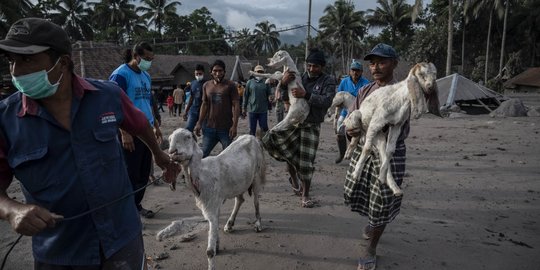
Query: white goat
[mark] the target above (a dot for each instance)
(391, 106)
(299, 109)
(342, 100)
(239, 168)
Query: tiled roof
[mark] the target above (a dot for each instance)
(530, 77)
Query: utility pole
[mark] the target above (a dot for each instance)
(308, 30)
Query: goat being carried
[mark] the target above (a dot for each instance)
(299, 109)
(239, 168)
(391, 106)
(342, 100)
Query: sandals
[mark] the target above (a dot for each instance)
(147, 213)
(367, 264)
(297, 191)
(309, 203)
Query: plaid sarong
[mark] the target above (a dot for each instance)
(366, 195)
(297, 146)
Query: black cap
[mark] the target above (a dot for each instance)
(316, 57)
(382, 50)
(35, 35)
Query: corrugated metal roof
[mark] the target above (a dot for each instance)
(459, 88)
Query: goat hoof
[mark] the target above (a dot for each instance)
(210, 253)
(228, 229)
(258, 227)
(398, 193)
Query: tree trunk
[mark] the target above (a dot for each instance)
(501, 60)
(487, 46)
(450, 38)
(463, 48)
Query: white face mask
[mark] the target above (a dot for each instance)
(199, 77)
(258, 78)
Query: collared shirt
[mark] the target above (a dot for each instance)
(348, 85)
(70, 172)
(256, 96)
(137, 86)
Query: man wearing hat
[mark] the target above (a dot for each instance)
(298, 145)
(58, 137)
(367, 195)
(351, 84)
(256, 102)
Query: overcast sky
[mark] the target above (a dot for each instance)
(238, 14)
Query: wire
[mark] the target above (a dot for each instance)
(81, 215)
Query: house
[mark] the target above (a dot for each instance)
(527, 81)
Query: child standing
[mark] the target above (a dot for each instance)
(170, 104)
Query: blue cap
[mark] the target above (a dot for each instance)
(382, 50)
(356, 65)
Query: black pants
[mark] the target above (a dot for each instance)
(139, 164)
(131, 256)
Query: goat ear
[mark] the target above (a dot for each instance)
(416, 99)
(433, 101)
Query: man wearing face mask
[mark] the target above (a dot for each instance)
(220, 110)
(191, 113)
(134, 79)
(256, 101)
(58, 137)
(298, 145)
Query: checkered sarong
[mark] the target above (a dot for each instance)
(297, 146)
(366, 195)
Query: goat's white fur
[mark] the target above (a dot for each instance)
(299, 109)
(392, 106)
(239, 168)
(342, 100)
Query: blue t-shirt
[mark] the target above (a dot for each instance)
(137, 86)
(348, 85)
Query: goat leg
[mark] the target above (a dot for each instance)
(238, 200)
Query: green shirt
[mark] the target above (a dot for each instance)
(256, 96)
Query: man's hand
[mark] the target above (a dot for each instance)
(185, 117)
(127, 142)
(232, 133)
(158, 134)
(170, 168)
(298, 92)
(29, 219)
(354, 132)
(288, 77)
(197, 129)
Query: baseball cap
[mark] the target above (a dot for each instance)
(35, 35)
(382, 50)
(356, 65)
(259, 68)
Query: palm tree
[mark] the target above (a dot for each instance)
(11, 11)
(391, 13)
(492, 6)
(113, 17)
(266, 39)
(450, 38)
(73, 16)
(342, 24)
(244, 43)
(157, 11)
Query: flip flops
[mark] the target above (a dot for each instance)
(367, 264)
(147, 213)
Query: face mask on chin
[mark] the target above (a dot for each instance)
(37, 85)
(199, 77)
